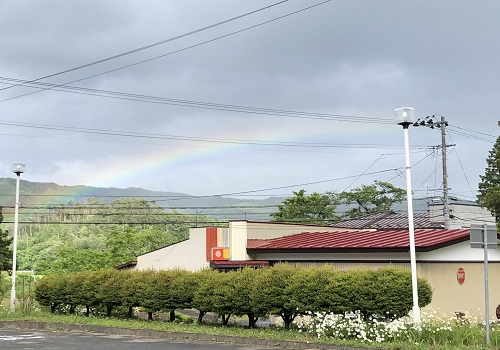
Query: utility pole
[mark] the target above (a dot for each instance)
(442, 124)
(446, 202)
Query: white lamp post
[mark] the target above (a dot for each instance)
(18, 169)
(405, 117)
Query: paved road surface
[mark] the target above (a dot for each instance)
(45, 340)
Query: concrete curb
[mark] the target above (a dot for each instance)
(149, 333)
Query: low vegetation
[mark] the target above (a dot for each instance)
(315, 301)
(281, 290)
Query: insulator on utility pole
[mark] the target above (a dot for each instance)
(442, 124)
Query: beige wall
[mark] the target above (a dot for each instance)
(189, 255)
(241, 231)
(238, 232)
(449, 296)
(266, 230)
(439, 267)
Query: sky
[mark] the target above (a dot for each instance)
(247, 98)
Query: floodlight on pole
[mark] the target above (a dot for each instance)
(18, 169)
(405, 117)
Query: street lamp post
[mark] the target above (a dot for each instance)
(18, 169)
(405, 117)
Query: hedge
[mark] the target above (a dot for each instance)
(282, 290)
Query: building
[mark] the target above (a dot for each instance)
(463, 213)
(444, 257)
(389, 220)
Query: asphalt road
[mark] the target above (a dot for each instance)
(45, 340)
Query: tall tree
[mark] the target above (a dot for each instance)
(489, 187)
(313, 209)
(371, 198)
(5, 251)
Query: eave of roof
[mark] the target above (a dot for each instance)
(126, 264)
(362, 241)
(238, 264)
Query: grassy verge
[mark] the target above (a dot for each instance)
(278, 334)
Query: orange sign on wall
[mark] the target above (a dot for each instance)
(220, 253)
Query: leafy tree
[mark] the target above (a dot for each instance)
(313, 209)
(239, 287)
(5, 257)
(69, 259)
(384, 292)
(96, 235)
(273, 292)
(5, 251)
(489, 187)
(50, 291)
(213, 295)
(310, 288)
(129, 292)
(370, 198)
(182, 288)
(206, 282)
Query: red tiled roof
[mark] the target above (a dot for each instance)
(397, 240)
(252, 243)
(389, 221)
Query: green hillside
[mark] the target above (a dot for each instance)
(40, 193)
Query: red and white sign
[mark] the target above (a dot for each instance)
(220, 253)
(461, 276)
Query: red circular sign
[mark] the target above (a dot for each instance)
(461, 276)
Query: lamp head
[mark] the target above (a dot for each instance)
(18, 168)
(405, 116)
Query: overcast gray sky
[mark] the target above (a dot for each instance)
(360, 59)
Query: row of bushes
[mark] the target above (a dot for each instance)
(281, 290)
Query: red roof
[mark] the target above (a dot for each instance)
(395, 240)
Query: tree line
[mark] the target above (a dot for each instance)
(321, 208)
(489, 186)
(282, 290)
(96, 235)
(93, 235)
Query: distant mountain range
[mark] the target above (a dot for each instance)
(43, 194)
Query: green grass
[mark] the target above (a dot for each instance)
(469, 337)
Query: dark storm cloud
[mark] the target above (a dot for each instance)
(361, 58)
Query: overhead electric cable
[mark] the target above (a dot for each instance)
(364, 172)
(476, 132)
(463, 171)
(206, 105)
(173, 52)
(150, 45)
(188, 138)
(278, 187)
(471, 136)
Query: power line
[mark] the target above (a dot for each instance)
(279, 187)
(471, 136)
(173, 52)
(131, 134)
(476, 132)
(202, 104)
(121, 210)
(463, 172)
(149, 46)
